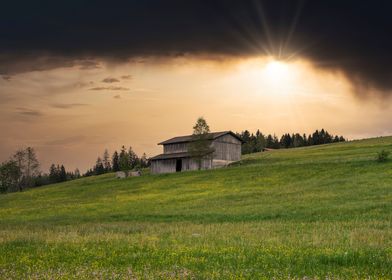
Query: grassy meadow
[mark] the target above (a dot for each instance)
(321, 212)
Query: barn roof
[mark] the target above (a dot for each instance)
(174, 156)
(189, 138)
(170, 156)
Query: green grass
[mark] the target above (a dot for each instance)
(309, 213)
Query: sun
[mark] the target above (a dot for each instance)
(276, 70)
(268, 74)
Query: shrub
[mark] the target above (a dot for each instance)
(382, 156)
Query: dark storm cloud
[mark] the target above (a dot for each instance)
(352, 36)
(88, 64)
(14, 62)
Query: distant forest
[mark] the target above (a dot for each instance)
(22, 170)
(254, 143)
(126, 160)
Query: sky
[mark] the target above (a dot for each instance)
(77, 77)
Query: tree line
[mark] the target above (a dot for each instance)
(257, 142)
(58, 173)
(22, 170)
(125, 160)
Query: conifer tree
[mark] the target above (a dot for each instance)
(305, 138)
(63, 174)
(124, 160)
(115, 162)
(106, 161)
(53, 174)
(99, 168)
(144, 161)
(270, 142)
(276, 144)
(132, 158)
(76, 173)
(260, 141)
(246, 147)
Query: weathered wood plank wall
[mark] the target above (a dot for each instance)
(169, 165)
(227, 148)
(163, 166)
(175, 148)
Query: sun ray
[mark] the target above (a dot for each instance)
(293, 24)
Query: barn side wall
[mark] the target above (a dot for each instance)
(163, 166)
(191, 164)
(169, 165)
(227, 148)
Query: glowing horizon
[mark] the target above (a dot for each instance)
(70, 115)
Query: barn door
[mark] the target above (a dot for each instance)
(178, 165)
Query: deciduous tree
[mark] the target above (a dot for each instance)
(9, 176)
(200, 146)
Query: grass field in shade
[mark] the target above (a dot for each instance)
(321, 212)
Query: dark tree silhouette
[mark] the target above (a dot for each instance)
(115, 162)
(254, 143)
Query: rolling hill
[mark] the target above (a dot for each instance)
(317, 212)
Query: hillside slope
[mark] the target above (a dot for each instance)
(318, 211)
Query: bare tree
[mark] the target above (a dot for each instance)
(27, 162)
(32, 165)
(19, 157)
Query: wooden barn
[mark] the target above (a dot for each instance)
(226, 148)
